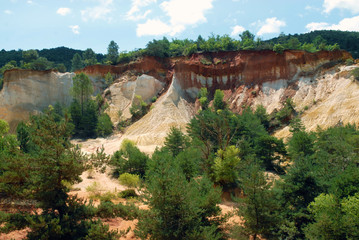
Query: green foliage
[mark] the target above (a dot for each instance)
(349, 62)
(129, 180)
(259, 206)
(139, 108)
(178, 209)
(82, 89)
(104, 125)
(77, 62)
(30, 55)
(355, 73)
(108, 79)
(89, 57)
(218, 102)
(158, 48)
(278, 48)
(129, 159)
(112, 52)
(128, 193)
(226, 165)
(203, 98)
(189, 161)
(176, 141)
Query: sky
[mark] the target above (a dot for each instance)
(81, 24)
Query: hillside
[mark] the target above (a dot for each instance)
(249, 79)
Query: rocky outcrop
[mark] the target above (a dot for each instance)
(29, 91)
(248, 78)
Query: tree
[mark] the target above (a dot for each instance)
(129, 159)
(226, 166)
(41, 63)
(176, 141)
(104, 125)
(218, 102)
(158, 48)
(89, 57)
(258, 207)
(178, 209)
(278, 48)
(77, 62)
(112, 52)
(82, 89)
(203, 98)
(30, 55)
(108, 79)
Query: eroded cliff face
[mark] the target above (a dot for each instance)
(248, 78)
(30, 91)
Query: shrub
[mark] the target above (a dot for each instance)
(94, 189)
(129, 180)
(355, 74)
(104, 125)
(128, 193)
(349, 62)
(278, 48)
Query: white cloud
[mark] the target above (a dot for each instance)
(271, 25)
(351, 5)
(347, 24)
(155, 27)
(181, 13)
(75, 29)
(8, 12)
(134, 13)
(63, 11)
(100, 11)
(30, 2)
(186, 12)
(237, 30)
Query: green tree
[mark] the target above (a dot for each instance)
(30, 55)
(158, 48)
(203, 98)
(178, 209)
(278, 48)
(226, 166)
(108, 79)
(89, 57)
(218, 102)
(129, 159)
(112, 52)
(104, 125)
(77, 62)
(82, 89)
(41, 64)
(176, 141)
(258, 207)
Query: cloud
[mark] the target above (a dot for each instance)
(134, 13)
(30, 2)
(271, 25)
(155, 27)
(351, 5)
(8, 12)
(100, 11)
(75, 29)
(181, 13)
(237, 30)
(347, 24)
(186, 12)
(63, 11)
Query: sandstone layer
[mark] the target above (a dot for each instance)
(28, 92)
(248, 78)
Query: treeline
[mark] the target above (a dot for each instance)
(348, 41)
(59, 55)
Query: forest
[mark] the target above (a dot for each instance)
(306, 188)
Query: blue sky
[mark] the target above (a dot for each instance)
(81, 24)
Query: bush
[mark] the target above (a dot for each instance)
(129, 180)
(94, 189)
(349, 62)
(355, 74)
(104, 125)
(128, 193)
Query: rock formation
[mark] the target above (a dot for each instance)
(248, 78)
(28, 92)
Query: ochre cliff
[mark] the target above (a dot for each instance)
(30, 91)
(248, 78)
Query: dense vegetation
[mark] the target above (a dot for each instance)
(314, 197)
